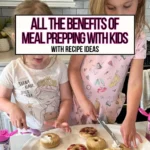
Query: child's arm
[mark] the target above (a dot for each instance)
(76, 83)
(66, 102)
(133, 100)
(5, 95)
(17, 116)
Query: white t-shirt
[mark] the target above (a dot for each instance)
(36, 92)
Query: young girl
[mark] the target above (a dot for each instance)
(97, 80)
(39, 84)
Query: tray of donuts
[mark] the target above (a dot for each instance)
(89, 137)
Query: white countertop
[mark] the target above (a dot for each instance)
(17, 141)
(6, 57)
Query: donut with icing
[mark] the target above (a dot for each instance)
(96, 143)
(88, 132)
(50, 140)
(77, 147)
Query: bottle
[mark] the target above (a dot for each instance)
(143, 112)
(4, 145)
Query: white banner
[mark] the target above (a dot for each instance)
(106, 35)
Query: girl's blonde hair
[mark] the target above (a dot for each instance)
(97, 7)
(31, 7)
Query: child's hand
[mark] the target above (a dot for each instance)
(62, 125)
(17, 117)
(59, 124)
(89, 110)
(129, 134)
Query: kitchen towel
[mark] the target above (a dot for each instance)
(145, 98)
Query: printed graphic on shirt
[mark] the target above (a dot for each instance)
(30, 108)
(90, 61)
(110, 63)
(89, 93)
(48, 95)
(101, 84)
(106, 72)
(144, 46)
(115, 81)
(87, 77)
(27, 86)
(98, 66)
(123, 57)
(47, 81)
(88, 87)
(94, 70)
(27, 93)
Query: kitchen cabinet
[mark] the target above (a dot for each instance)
(50, 3)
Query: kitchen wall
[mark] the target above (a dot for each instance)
(81, 8)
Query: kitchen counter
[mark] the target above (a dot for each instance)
(17, 141)
(6, 57)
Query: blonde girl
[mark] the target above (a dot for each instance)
(39, 84)
(97, 81)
